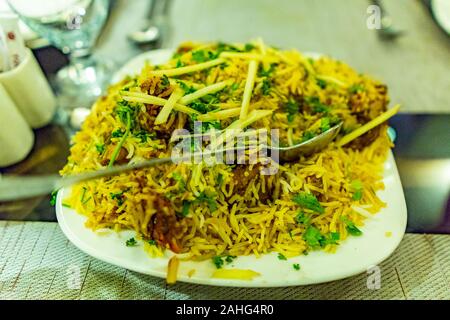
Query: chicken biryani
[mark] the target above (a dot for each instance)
(231, 209)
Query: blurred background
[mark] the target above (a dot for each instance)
(404, 43)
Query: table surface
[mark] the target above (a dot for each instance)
(415, 67)
(38, 262)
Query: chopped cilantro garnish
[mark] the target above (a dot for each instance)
(316, 105)
(125, 110)
(53, 197)
(296, 266)
(268, 72)
(302, 218)
(187, 89)
(356, 88)
(290, 234)
(357, 186)
(165, 81)
(292, 108)
(325, 124)
(179, 64)
(266, 87)
(234, 86)
(152, 242)
(249, 47)
(218, 262)
(229, 259)
(308, 201)
(209, 199)
(281, 256)
(199, 56)
(357, 195)
(307, 135)
(321, 83)
(144, 135)
(185, 208)
(351, 228)
(117, 196)
(333, 238)
(219, 180)
(100, 148)
(181, 182)
(117, 133)
(313, 237)
(131, 242)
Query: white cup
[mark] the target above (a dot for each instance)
(30, 91)
(16, 136)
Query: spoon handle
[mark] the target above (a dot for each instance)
(20, 187)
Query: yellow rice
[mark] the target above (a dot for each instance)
(241, 224)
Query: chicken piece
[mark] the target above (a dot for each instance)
(243, 175)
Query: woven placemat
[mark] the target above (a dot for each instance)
(38, 262)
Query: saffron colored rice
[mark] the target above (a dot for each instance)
(207, 209)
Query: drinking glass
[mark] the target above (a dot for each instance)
(73, 27)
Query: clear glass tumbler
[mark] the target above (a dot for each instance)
(73, 27)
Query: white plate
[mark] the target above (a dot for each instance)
(441, 12)
(353, 256)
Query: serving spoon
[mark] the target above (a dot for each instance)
(20, 187)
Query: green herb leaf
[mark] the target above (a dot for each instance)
(281, 256)
(218, 262)
(165, 82)
(316, 105)
(302, 218)
(321, 83)
(357, 195)
(357, 187)
(187, 89)
(268, 72)
(117, 133)
(307, 135)
(351, 228)
(144, 135)
(219, 180)
(296, 266)
(152, 242)
(308, 201)
(325, 124)
(53, 197)
(185, 208)
(100, 148)
(118, 196)
(313, 237)
(179, 64)
(131, 242)
(266, 87)
(290, 234)
(249, 47)
(229, 259)
(331, 238)
(199, 56)
(292, 109)
(210, 200)
(356, 88)
(181, 182)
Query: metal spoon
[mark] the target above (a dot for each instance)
(20, 187)
(156, 23)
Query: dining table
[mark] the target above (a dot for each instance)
(38, 262)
